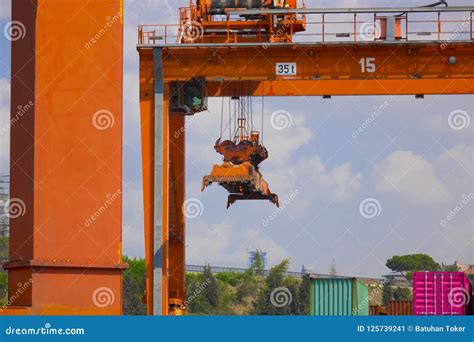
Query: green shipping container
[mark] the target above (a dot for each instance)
(338, 297)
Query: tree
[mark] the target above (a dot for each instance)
(449, 268)
(304, 296)
(257, 263)
(332, 270)
(196, 300)
(247, 287)
(412, 263)
(211, 290)
(134, 287)
(387, 294)
(402, 293)
(3, 289)
(274, 291)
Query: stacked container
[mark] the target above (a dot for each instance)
(338, 297)
(441, 293)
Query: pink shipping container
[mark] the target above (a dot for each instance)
(441, 293)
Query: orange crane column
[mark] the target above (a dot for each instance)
(163, 144)
(177, 291)
(66, 158)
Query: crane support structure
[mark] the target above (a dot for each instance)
(324, 68)
(65, 255)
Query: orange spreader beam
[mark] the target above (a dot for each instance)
(382, 68)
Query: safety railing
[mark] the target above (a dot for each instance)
(219, 269)
(363, 26)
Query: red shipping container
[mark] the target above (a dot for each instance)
(441, 293)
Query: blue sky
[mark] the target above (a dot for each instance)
(408, 159)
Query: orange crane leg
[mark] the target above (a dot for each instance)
(66, 159)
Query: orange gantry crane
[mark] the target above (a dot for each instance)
(236, 49)
(66, 158)
(66, 141)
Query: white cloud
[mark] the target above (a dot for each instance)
(224, 245)
(311, 177)
(456, 166)
(410, 176)
(462, 155)
(281, 144)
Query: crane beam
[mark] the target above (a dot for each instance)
(343, 69)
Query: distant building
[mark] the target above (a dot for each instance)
(397, 279)
(467, 269)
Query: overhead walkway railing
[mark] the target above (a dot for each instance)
(331, 25)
